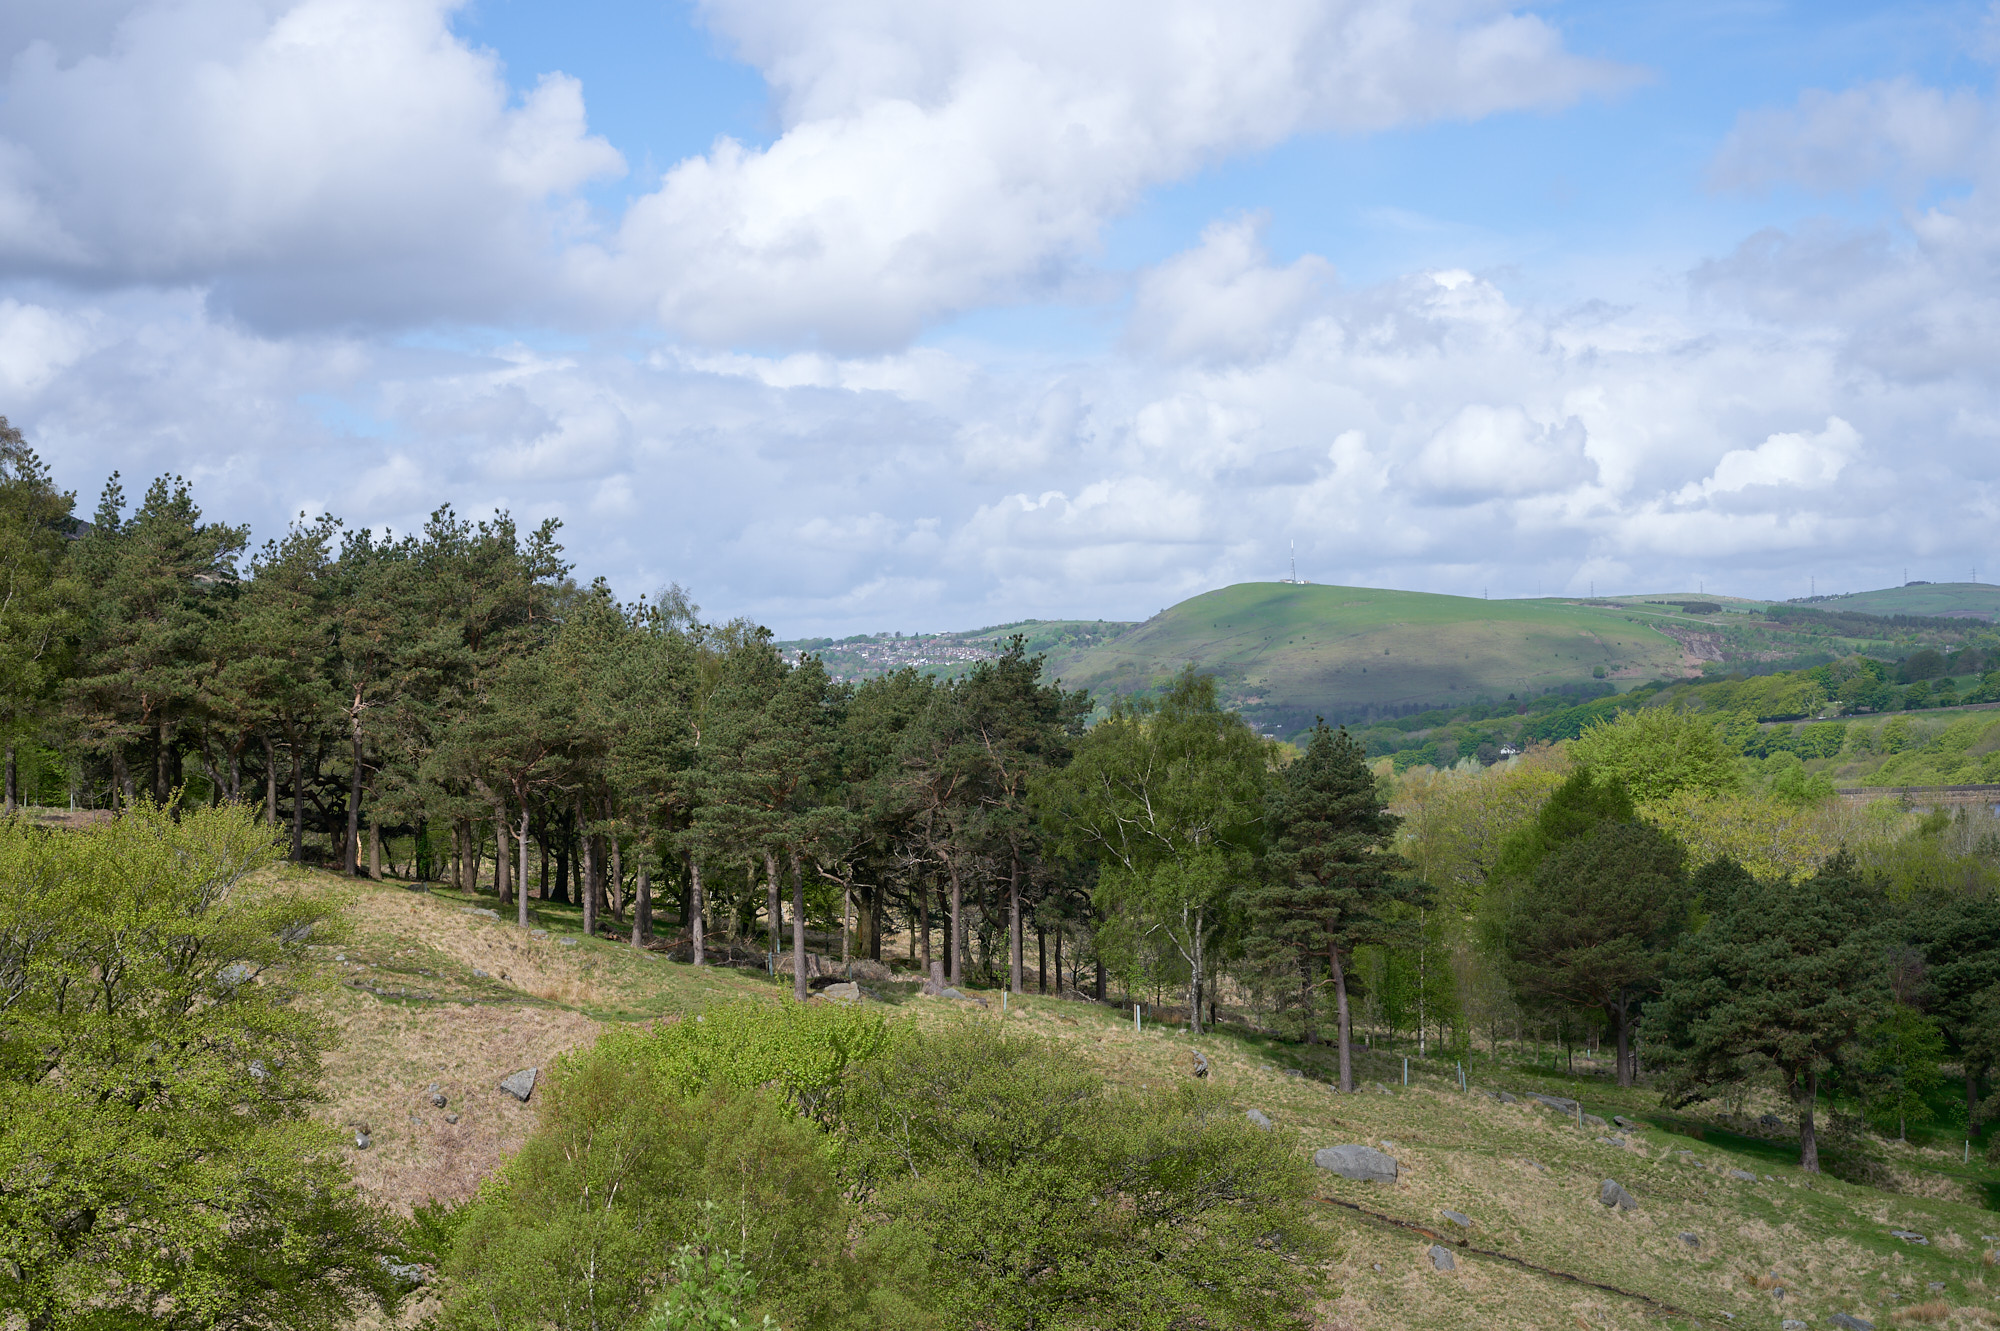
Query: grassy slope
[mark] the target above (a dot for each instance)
(1316, 646)
(1827, 1240)
(1939, 598)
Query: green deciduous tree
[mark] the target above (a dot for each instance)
(1166, 796)
(1784, 977)
(159, 1168)
(1041, 1202)
(1657, 752)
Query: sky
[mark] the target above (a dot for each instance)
(858, 315)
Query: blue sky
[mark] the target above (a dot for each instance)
(868, 314)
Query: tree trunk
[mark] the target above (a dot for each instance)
(867, 921)
(521, 886)
(503, 858)
(351, 858)
(160, 786)
(798, 931)
(128, 791)
(924, 922)
(955, 949)
(1307, 1006)
(698, 917)
(13, 794)
(1971, 1092)
(846, 932)
(617, 893)
(298, 801)
(1014, 921)
(586, 871)
(1059, 969)
(1808, 1143)
(236, 772)
(1041, 960)
(270, 784)
(374, 847)
(1195, 980)
(642, 905)
(1100, 979)
(1343, 1023)
(1621, 1016)
(773, 907)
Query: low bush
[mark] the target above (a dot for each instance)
(808, 1166)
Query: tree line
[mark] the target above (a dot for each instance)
(456, 693)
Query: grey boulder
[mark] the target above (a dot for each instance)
(1459, 1218)
(1363, 1164)
(1691, 1240)
(361, 1140)
(436, 1096)
(521, 1085)
(1848, 1322)
(1909, 1236)
(1610, 1194)
(405, 1273)
(1743, 1174)
(848, 992)
(1553, 1102)
(1442, 1259)
(1259, 1119)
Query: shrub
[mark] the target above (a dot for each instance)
(803, 1050)
(580, 1230)
(158, 1166)
(1045, 1202)
(830, 1175)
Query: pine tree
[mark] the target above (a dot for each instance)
(1786, 975)
(1330, 878)
(40, 610)
(1591, 928)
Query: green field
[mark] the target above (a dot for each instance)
(1970, 600)
(1289, 647)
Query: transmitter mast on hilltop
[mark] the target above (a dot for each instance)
(1295, 580)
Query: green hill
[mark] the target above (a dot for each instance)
(1946, 600)
(1282, 648)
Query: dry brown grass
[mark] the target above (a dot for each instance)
(1825, 1239)
(1936, 1310)
(390, 1054)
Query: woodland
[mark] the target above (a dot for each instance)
(452, 711)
